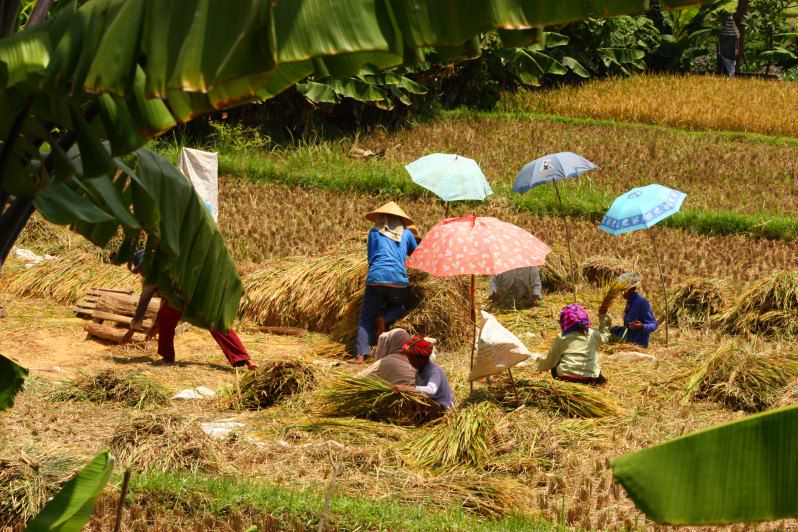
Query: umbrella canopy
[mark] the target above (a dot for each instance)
(476, 246)
(451, 177)
(551, 168)
(641, 208)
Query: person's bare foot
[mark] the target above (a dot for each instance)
(359, 359)
(251, 366)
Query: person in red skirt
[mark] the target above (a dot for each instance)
(167, 320)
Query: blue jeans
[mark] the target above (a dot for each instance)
(387, 302)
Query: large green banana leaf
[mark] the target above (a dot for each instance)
(12, 377)
(71, 508)
(746, 470)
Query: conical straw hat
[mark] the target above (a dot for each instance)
(389, 208)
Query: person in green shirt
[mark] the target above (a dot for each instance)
(572, 356)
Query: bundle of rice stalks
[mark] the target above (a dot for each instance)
(24, 489)
(696, 301)
(555, 275)
(603, 270)
(132, 389)
(466, 436)
(164, 442)
(769, 308)
(68, 277)
(614, 289)
(324, 294)
(335, 350)
(487, 495)
(746, 381)
(565, 398)
(788, 396)
(372, 398)
(262, 388)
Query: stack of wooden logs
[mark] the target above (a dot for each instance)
(112, 311)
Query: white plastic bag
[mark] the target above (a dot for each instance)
(202, 168)
(497, 349)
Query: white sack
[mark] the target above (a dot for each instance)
(497, 349)
(202, 168)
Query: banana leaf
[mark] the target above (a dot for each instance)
(741, 471)
(71, 508)
(12, 377)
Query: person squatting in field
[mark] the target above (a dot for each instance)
(520, 287)
(390, 363)
(572, 356)
(430, 378)
(167, 320)
(390, 242)
(638, 317)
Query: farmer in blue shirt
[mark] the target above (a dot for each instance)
(390, 242)
(638, 318)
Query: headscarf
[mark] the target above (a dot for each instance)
(391, 226)
(391, 342)
(419, 347)
(574, 318)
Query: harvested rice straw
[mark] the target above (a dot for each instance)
(68, 277)
(273, 381)
(334, 350)
(364, 427)
(554, 274)
(746, 381)
(615, 288)
(788, 396)
(466, 436)
(565, 398)
(487, 494)
(164, 442)
(26, 486)
(372, 398)
(132, 389)
(603, 270)
(696, 301)
(770, 308)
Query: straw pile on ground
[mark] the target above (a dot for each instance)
(324, 294)
(164, 442)
(24, 489)
(132, 389)
(740, 379)
(555, 275)
(696, 301)
(564, 398)
(788, 396)
(769, 308)
(603, 270)
(372, 398)
(68, 277)
(467, 436)
(483, 494)
(264, 387)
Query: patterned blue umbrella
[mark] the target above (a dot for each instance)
(642, 208)
(550, 169)
(452, 177)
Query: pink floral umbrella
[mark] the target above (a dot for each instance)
(476, 246)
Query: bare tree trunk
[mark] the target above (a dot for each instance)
(739, 17)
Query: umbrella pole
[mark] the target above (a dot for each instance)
(567, 237)
(662, 280)
(515, 389)
(473, 329)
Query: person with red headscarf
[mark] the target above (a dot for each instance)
(572, 356)
(430, 378)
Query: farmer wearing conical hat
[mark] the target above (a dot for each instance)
(638, 318)
(390, 242)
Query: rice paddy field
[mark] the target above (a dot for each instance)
(293, 218)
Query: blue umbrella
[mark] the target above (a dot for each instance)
(642, 208)
(451, 177)
(550, 169)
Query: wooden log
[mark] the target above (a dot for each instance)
(109, 332)
(144, 326)
(283, 331)
(125, 305)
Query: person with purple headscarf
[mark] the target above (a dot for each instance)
(572, 356)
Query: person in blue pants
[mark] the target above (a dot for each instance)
(390, 242)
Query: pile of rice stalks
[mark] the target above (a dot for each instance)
(565, 398)
(335, 350)
(467, 436)
(603, 270)
(486, 494)
(24, 489)
(769, 308)
(68, 277)
(745, 381)
(132, 389)
(788, 396)
(372, 398)
(614, 289)
(262, 388)
(555, 275)
(696, 301)
(164, 442)
(324, 294)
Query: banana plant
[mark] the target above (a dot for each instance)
(12, 377)
(531, 63)
(783, 56)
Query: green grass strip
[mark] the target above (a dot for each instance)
(220, 496)
(720, 135)
(327, 167)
